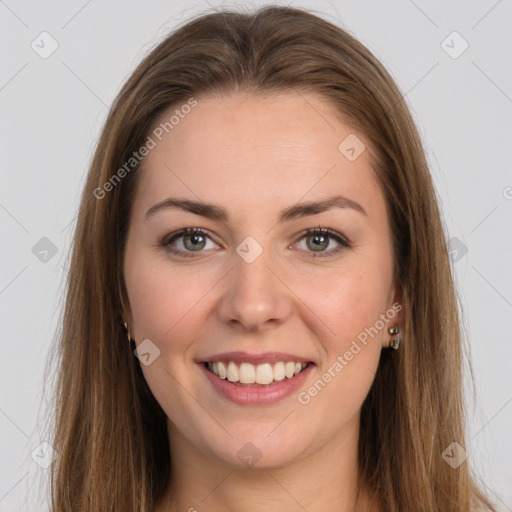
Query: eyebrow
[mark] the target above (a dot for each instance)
(215, 212)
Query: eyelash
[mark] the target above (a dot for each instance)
(343, 242)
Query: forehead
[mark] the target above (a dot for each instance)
(250, 150)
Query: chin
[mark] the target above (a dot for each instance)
(255, 450)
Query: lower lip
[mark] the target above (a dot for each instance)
(257, 395)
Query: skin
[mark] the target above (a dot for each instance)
(255, 156)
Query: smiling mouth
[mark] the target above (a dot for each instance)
(247, 374)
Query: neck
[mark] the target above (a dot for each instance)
(325, 480)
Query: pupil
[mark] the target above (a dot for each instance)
(196, 241)
(320, 241)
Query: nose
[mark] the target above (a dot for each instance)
(255, 297)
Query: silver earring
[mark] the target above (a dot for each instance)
(395, 342)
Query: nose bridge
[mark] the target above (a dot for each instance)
(253, 295)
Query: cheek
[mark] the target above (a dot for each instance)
(167, 305)
(347, 309)
(164, 299)
(347, 302)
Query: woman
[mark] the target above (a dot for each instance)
(260, 310)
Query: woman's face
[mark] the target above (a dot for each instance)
(251, 290)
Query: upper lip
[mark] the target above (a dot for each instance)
(245, 357)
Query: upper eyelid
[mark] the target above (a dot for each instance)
(187, 231)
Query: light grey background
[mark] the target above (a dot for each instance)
(51, 113)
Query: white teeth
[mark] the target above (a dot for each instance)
(232, 372)
(223, 372)
(248, 373)
(289, 369)
(279, 371)
(264, 374)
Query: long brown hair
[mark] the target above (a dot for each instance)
(109, 431)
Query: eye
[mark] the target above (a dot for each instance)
(318, 240)
(187, 241)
